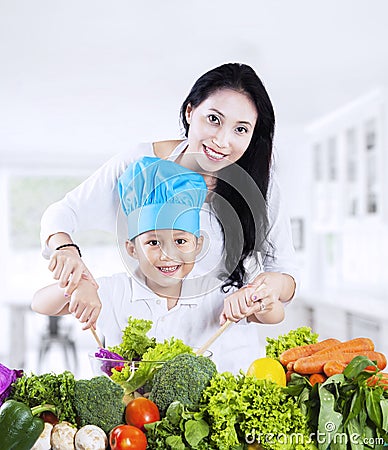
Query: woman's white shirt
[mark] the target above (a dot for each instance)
(95, 204)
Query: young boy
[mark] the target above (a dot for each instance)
(162, 201)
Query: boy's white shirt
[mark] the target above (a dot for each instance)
(194, 319)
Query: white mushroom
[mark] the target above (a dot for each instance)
(62, 436)
(43, 442)
(91, 437)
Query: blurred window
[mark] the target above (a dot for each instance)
(332, 159)
(25, 194)
(371, 167)
(297, 229)
(318, 162)
(29, 196)
(351, 187)
(351, 156)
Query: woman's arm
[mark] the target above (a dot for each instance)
(67, 261)
(280, 268)
(279, 254)
(272, 313)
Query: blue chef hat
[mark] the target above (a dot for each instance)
(156, 194)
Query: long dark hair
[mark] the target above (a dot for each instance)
(237, 184)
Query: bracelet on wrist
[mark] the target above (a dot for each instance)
(70, 245)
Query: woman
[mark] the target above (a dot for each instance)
(229, 125)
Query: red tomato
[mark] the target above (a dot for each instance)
(127, 437)
(140, 411)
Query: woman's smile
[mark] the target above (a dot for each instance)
(213, 154)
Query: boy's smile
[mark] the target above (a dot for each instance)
(169, 270)
(165, 258)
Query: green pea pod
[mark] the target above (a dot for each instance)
(373, 406)
(19, 429)
(329, 421)
(384, 411)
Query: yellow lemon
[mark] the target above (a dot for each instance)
(268, 369)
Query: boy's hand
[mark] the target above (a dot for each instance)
(85, 303)
(240, 304)
(274, 286)
(259, 301)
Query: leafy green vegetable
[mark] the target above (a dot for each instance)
(221, 401)
(195, 431)
(49, 388)
(180, 429)
(329, 421)
(237, 407)
(150, 363)
(345, 409)
(182, 379)
(384, 411)
(135, 341)
(294, 338)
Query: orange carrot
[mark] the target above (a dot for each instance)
(315, 363)
(333, 368)
(317, 378)
(379, 379)
(352, 345)
(290, 365)
(378, 357)
(302, 351)
(288, 375)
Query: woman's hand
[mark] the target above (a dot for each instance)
(85, 304)
(68, 268)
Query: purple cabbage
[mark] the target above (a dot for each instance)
(7, 377)
(107, 366)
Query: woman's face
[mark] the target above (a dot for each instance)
(221, 128)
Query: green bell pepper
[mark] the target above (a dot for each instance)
(19, 428)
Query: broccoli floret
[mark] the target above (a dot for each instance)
(182, 379)
(99, 401)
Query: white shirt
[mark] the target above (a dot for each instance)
(95, 204)
(194, 319)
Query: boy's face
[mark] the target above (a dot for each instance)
(165, 256)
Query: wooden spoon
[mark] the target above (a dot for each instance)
(210, 341)
(94, 333)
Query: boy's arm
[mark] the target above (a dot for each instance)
(51, 301)
(84, 303)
